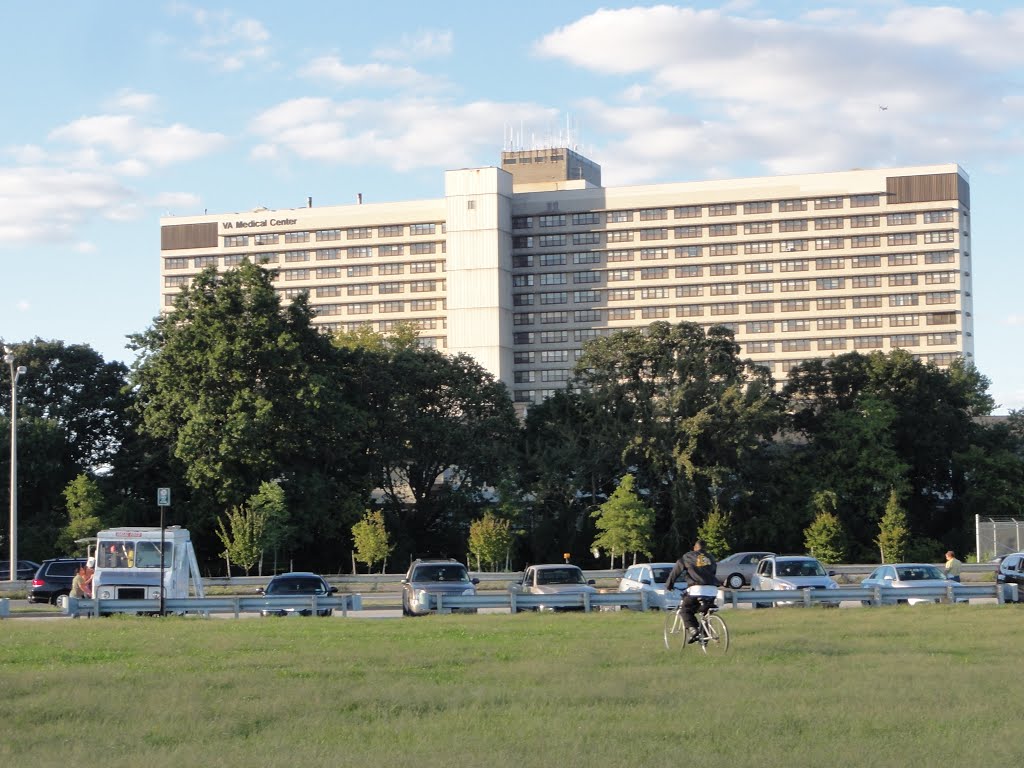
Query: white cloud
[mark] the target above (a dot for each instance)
(400, 133)
(371, 75)
(795, 96)
(427, 43)
(126, 136)
(23, 306)
(224, 40)
(132, 101)
(1014, 321)
(85, 246)
(177, 201)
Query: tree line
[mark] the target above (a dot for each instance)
(285, 447)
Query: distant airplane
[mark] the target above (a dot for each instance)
(882, 107)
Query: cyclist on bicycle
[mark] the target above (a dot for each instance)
(698, 568)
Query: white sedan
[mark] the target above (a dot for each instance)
(908, 576)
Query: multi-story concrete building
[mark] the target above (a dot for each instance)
(520, 265)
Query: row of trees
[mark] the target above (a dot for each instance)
(277, 440)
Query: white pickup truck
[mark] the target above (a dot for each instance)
(1011, 571)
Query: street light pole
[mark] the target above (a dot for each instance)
(15, 375)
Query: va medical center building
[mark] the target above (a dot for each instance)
(519, 266)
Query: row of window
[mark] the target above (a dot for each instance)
(384, 307)
(832, 242)
(726, 289)
(287, 257)
(591, 218)
(719, 270)
(750, 327)
(325, 235)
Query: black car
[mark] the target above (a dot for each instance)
(26, 570)
(53, 579)
(297, 584)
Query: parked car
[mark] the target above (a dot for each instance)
(299, 583)
(26, 570)
(737, 570)
(907, 576)
(649, 578)
(53, 579)
(1011, 571)
(791, 572)
(429, 577)
(553, 579)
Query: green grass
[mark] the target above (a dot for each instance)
(860, 687)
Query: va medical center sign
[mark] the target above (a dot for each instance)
(254, 223)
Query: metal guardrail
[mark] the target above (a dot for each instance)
(5, 607)
(513, 602)
(206, 605)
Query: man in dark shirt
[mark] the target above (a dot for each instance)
(698, 568)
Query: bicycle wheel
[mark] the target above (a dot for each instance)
(716, 641)
(674, 633)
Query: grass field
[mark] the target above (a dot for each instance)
(800, 687)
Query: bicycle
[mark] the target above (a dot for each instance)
(712, 632)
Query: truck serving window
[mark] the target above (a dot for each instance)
(147, 554)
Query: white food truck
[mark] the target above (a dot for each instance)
(128, 564)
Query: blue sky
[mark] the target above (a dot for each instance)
(117, 113)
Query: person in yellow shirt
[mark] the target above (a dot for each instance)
(953, 566)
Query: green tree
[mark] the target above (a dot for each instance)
(242, 537)
(270, 504)
(694, 417)
(85, 506)
(490, 539)
(893, 531)
(716, 532)
(625, 522)
(825, 538)
(245, 391)
(371, 539)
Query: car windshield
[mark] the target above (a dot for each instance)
(660, 575)
(800, 568)
(296, 586)
(560, 576)
(919, 573)
(440, 573)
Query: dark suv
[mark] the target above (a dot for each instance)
(53, 579)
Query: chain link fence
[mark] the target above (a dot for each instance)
(998, 536)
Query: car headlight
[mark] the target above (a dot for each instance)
(833, 585)
(106, 594)
(423, 598)
(154, 593)
(784, 585)
(470, 591)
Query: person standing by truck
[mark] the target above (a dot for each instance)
(953, 567)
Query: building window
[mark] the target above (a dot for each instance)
(586, 257)
(423, 286)
(903, 300)
(617, 275)
(550, 318)
(267, 239)
(235, 241)
(178, 262)
(830, 283)
(760, 307)
(418, 249)
(619, 217)
(552, 260)
(586, 277)
(722, 209)
(296, 256)
(650, 254)
(787, 286)
(392, 306)
(904, 321)
(586, 297)
(586, 316)
(613, 256)
(788, 246)
(551, 241)
(865, 221)
(763, 247)
(831, 304)
(828, 202)
(328, 273)
(760, 287)
(796, 345)
(554, 278)
(692, 310)
(865, 241)
(422, 229)
(328, 291)
(938, 217)
(831, 344)
(761, 206)
(422, 305)
(554, 337)
(795, 305)
(940, 339)
(834, 262)
(863, 201)
(654, 293)
(359, 309)
(391, 230)
(902, 259)
(934, 278)
(939, 257)
(522, 241)
(653, 214)
(866, 302)
(860, 262)
(586, 238)
(788, 206)
(358, 233)
(654, 273)
(900, 219)
(685, 291)
(522, 222)
(874, 321)
(725, 289)
(687, 212)
(831, 324)
(522, 299)
(757, 228)
(296, 237)
(620, 314)
(360, 252)
(234, 259)
(690, 270)
(828, 243)
(523, 337)
(585, 219)
(419, 267)
(939, 237)
(363, 270)
(522, 318)
(523, 358)
(902, 279)
(296, 274)
(867, 342)
(359, 289)
(759, 347)
(795, 265)
(557, 220)
(328, 254)
(717, 270)
(828, 223)
(720, 230)
(905, 340)
(654, 234)
(793, 225)
(867, 281)
(620, 294)
(761, 326)
(522, 262)
(556, 297)
(943, 297)
(725, 309)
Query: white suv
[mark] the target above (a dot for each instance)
(1011, 571)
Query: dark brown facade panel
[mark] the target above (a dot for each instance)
(926, 189)
(178, 236)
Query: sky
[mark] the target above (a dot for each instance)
(117, 113)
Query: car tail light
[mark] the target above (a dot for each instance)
(38, 583)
